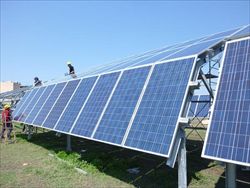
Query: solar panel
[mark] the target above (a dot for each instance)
(223, 34)
(154, 126)
(48, 104)
(133, 61)
(157, 57)
(24, 106)
(194, 49)
(31, 104)
(228, 135)
(188, 43)
(90, 114)
(243, 32)
(73, 108)
(39, 104)
(115, 120)
(60, 104)
(184, 49)
(20, 103)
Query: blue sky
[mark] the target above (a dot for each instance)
(37, 38)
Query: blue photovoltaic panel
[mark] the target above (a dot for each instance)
(243, 32)
(48, 104)
(195, 49)
(90, 114)
(189, 43)
(20, 103)
(116, 118)
(223, 34)
(156, 119)
(39, 104)
(20, 113)
(184, 49)
(193, 105)
(31, 104)
(203, 106)
(157, 57)
(228, 135)
(134, 61)
(72, 110)
(60, 104)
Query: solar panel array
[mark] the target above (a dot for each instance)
(228, 135)
(76, 103)
(133, 108)
(136, 103)
(116, 118)
(199, 106)
(32, 102)
(19, 112)
(187, 48)
(19, 105)
(39, 104)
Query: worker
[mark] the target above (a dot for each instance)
(6, 121)
(37, 82)
(71, 70)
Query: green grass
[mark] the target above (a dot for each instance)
(28, 164)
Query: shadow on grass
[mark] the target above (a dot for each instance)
(115, 161)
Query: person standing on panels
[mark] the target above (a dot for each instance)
(6, 121)
(71, 70)
(37, 82)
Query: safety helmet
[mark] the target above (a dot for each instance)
(68, 63)
(6, 106)
(36, 78)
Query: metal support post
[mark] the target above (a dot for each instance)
(230, 175)
(29, 132)
(68, 143)
(182, 162)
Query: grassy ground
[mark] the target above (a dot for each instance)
(28, 164)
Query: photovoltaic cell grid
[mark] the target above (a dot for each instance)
(60, 104)
(116, 118)
(90, 114)
(20, 113)
(31, 104)
(156, 119)
(228, 135)
(39, 104)
(20, 103)
(72, 110)
(48, 104)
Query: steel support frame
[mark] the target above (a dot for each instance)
(179, 149)
(29, 132)
(68, 147)
(230, 175)
(182, 161)
(208, 83)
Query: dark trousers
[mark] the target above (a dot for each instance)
(8, 127)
